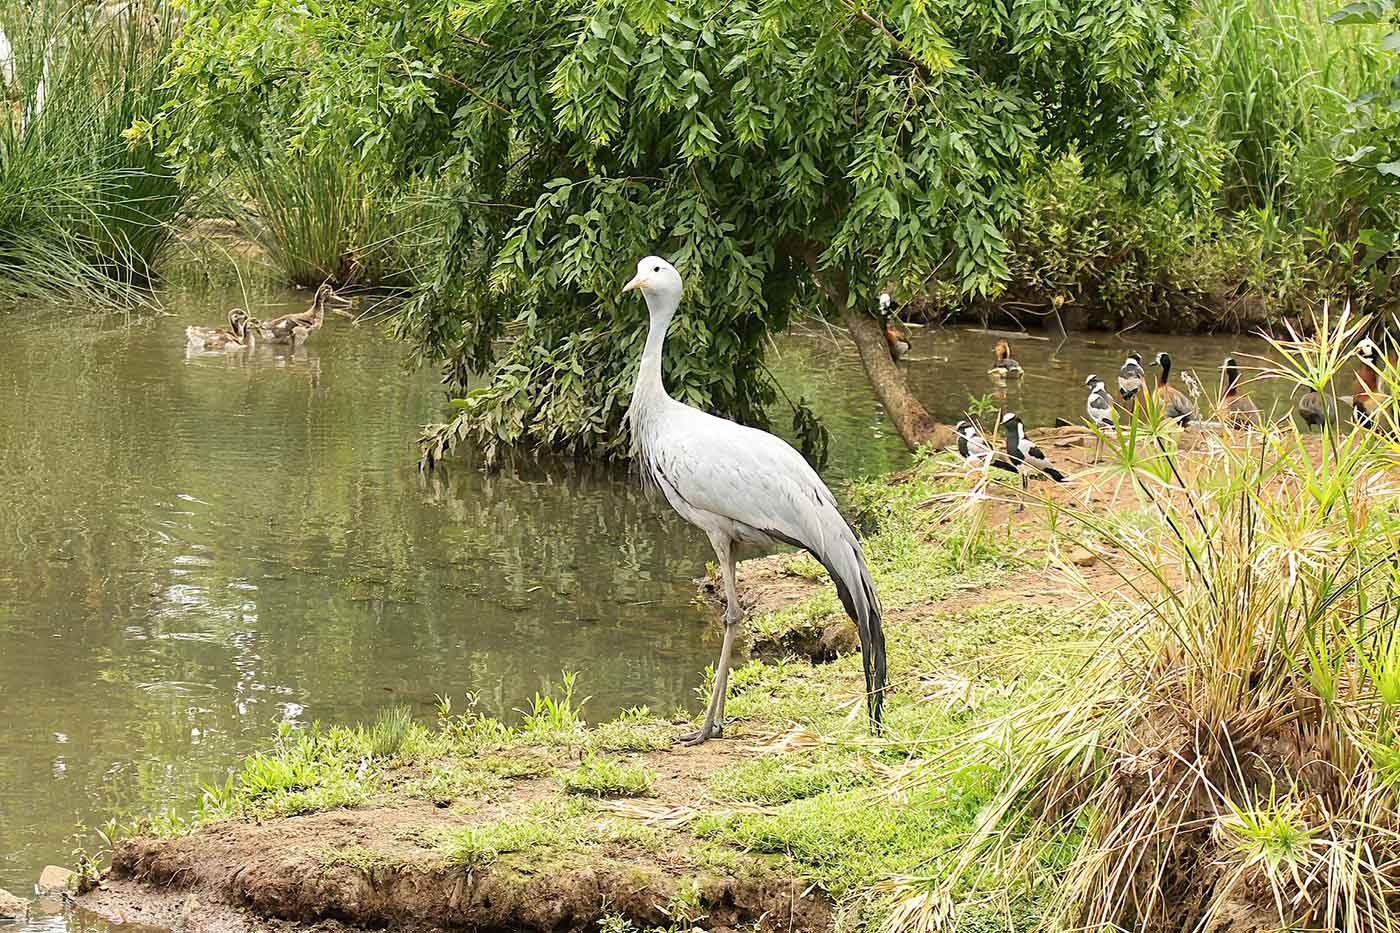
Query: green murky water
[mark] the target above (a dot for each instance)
(193, 550)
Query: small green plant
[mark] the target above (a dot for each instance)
(602, 777)
(632, 730)
(555, 719)
(390, 729)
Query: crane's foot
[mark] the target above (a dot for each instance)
(704, 733)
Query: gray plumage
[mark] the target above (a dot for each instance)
(975, 450)
(740, 484)
(1099, 404)
(1130, 376)
(1027, 457)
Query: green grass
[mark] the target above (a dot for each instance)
(779, 779)
(633, 730)
(83, 212)
(603, 777)
(319, 218)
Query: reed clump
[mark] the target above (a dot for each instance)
(83, 210)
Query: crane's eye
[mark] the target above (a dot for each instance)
(655, 268)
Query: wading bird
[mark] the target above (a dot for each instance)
(1005, 366)
(294, 328)
(1237, 407)
(238, 336)
(975, 450)
(896, 334)
(1366, 397)
(1028, 458)
(1100, 409)
(739, 484)
(1130, 376)
(1174, 402)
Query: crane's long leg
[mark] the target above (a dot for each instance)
(713, 726)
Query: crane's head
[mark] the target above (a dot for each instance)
(656, 278)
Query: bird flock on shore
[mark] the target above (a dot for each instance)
(1236, 409)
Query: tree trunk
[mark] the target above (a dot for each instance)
(911, 420)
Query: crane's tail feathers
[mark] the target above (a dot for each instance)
(857, 593)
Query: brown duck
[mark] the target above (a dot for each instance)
(238, 335)
(294, 328)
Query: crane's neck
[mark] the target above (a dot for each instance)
(650, 387)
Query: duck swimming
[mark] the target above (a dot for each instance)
(294, 328)
(238, 335)
(1005, 366)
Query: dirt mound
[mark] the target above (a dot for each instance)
(379, 868)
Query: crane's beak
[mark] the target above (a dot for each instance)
(638, 281)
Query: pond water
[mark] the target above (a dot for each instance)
(193, 550)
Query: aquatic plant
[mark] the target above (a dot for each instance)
(320, 217)
(84, 211)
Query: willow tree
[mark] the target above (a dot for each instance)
(777, 151)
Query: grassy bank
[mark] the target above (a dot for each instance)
(1163, 698)
(797, 798)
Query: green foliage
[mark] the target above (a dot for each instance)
(603, 777)
(632, 730)
(781, 779)
(752, 143)
(82, 210)
(555, 719)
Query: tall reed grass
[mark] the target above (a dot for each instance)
(318, 218)
(1277, 82)
(82, 211)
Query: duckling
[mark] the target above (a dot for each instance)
(1237, 407)
(896, 334)
(1366, 398)
(1005, 366)
(1175, 404)
(1130, 376)
(238, 336)
(1025, 455)
(294, 328)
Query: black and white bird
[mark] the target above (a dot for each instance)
(1100, 403)
(1028, 459)
(1100, 410)
(1130, 376)
(975, 450)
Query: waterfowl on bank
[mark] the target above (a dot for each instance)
(1025, 455)
(294, 328)
(1236, 407)
(238, 335)
(1130, 376)
(1099, 407)
(1174, 402)
(1366, 398)
(1318, 411)
(896, 334)
(1005, 366)
(975, 450)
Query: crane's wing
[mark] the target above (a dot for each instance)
(745, 475)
